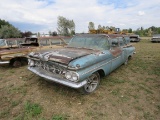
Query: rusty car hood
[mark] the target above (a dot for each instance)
(63, 55)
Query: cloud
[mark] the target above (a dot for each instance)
(141, 13)
(41, 15)
(109, 22)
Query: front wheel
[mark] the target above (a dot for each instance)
(17, 63)
(92, 84)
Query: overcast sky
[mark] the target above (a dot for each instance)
(41, 15)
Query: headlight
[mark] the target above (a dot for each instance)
(73, 76)
(31, 63)
(68, 75)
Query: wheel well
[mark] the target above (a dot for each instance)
(129, 57)
(21, 59)
(101, 73)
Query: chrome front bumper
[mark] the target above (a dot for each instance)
(4, 62)
(51, 77)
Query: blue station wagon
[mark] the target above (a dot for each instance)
(82, 63)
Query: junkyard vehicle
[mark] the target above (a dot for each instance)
(14, 52)
(134, 38)
(82, 63)
(45, 41)
(10, 53)
(155, 38)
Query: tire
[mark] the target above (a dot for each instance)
(92, 84)
(16, 63)
(24, 61)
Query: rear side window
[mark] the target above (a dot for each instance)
(115, 42)
(44, 42)
(11, 42)
(56, 42)
(2, 42)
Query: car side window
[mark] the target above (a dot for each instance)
(44, 42)
(55, 42)
(121, 41)
(105, 44)
(127, 40)
(2, 42)
(115, 43)
(13, 42)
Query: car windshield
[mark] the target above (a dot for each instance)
(2, 42)
(95, 42)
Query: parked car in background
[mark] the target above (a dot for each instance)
(134, 38)
(45, 41)
(15, 52)
(82, 63)
(155, 38)
(11, 53)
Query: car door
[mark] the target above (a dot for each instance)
(117, 54)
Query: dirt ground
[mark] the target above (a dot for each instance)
(131, 92)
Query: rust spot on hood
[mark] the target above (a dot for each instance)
(65, 55)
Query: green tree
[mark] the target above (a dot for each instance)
(99, 27)
(65, 27)
(158, 30)
(54, 33)
(107, 28)
(103, 27)
(129, 30)
(50, 33)
(26, 34)
(9, 31)
(149, 32)
(3, 22)
(91, 26)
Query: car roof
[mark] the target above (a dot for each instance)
(92, 35)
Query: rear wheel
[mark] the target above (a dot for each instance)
(92, 84)
(126, 62)
(127, 59)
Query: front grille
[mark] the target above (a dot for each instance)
(51, 67)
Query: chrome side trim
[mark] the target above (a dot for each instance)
(4, 62)
(100, 65)
(51, 77)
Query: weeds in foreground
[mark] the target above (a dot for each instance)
(59, 117)
(32, 109)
